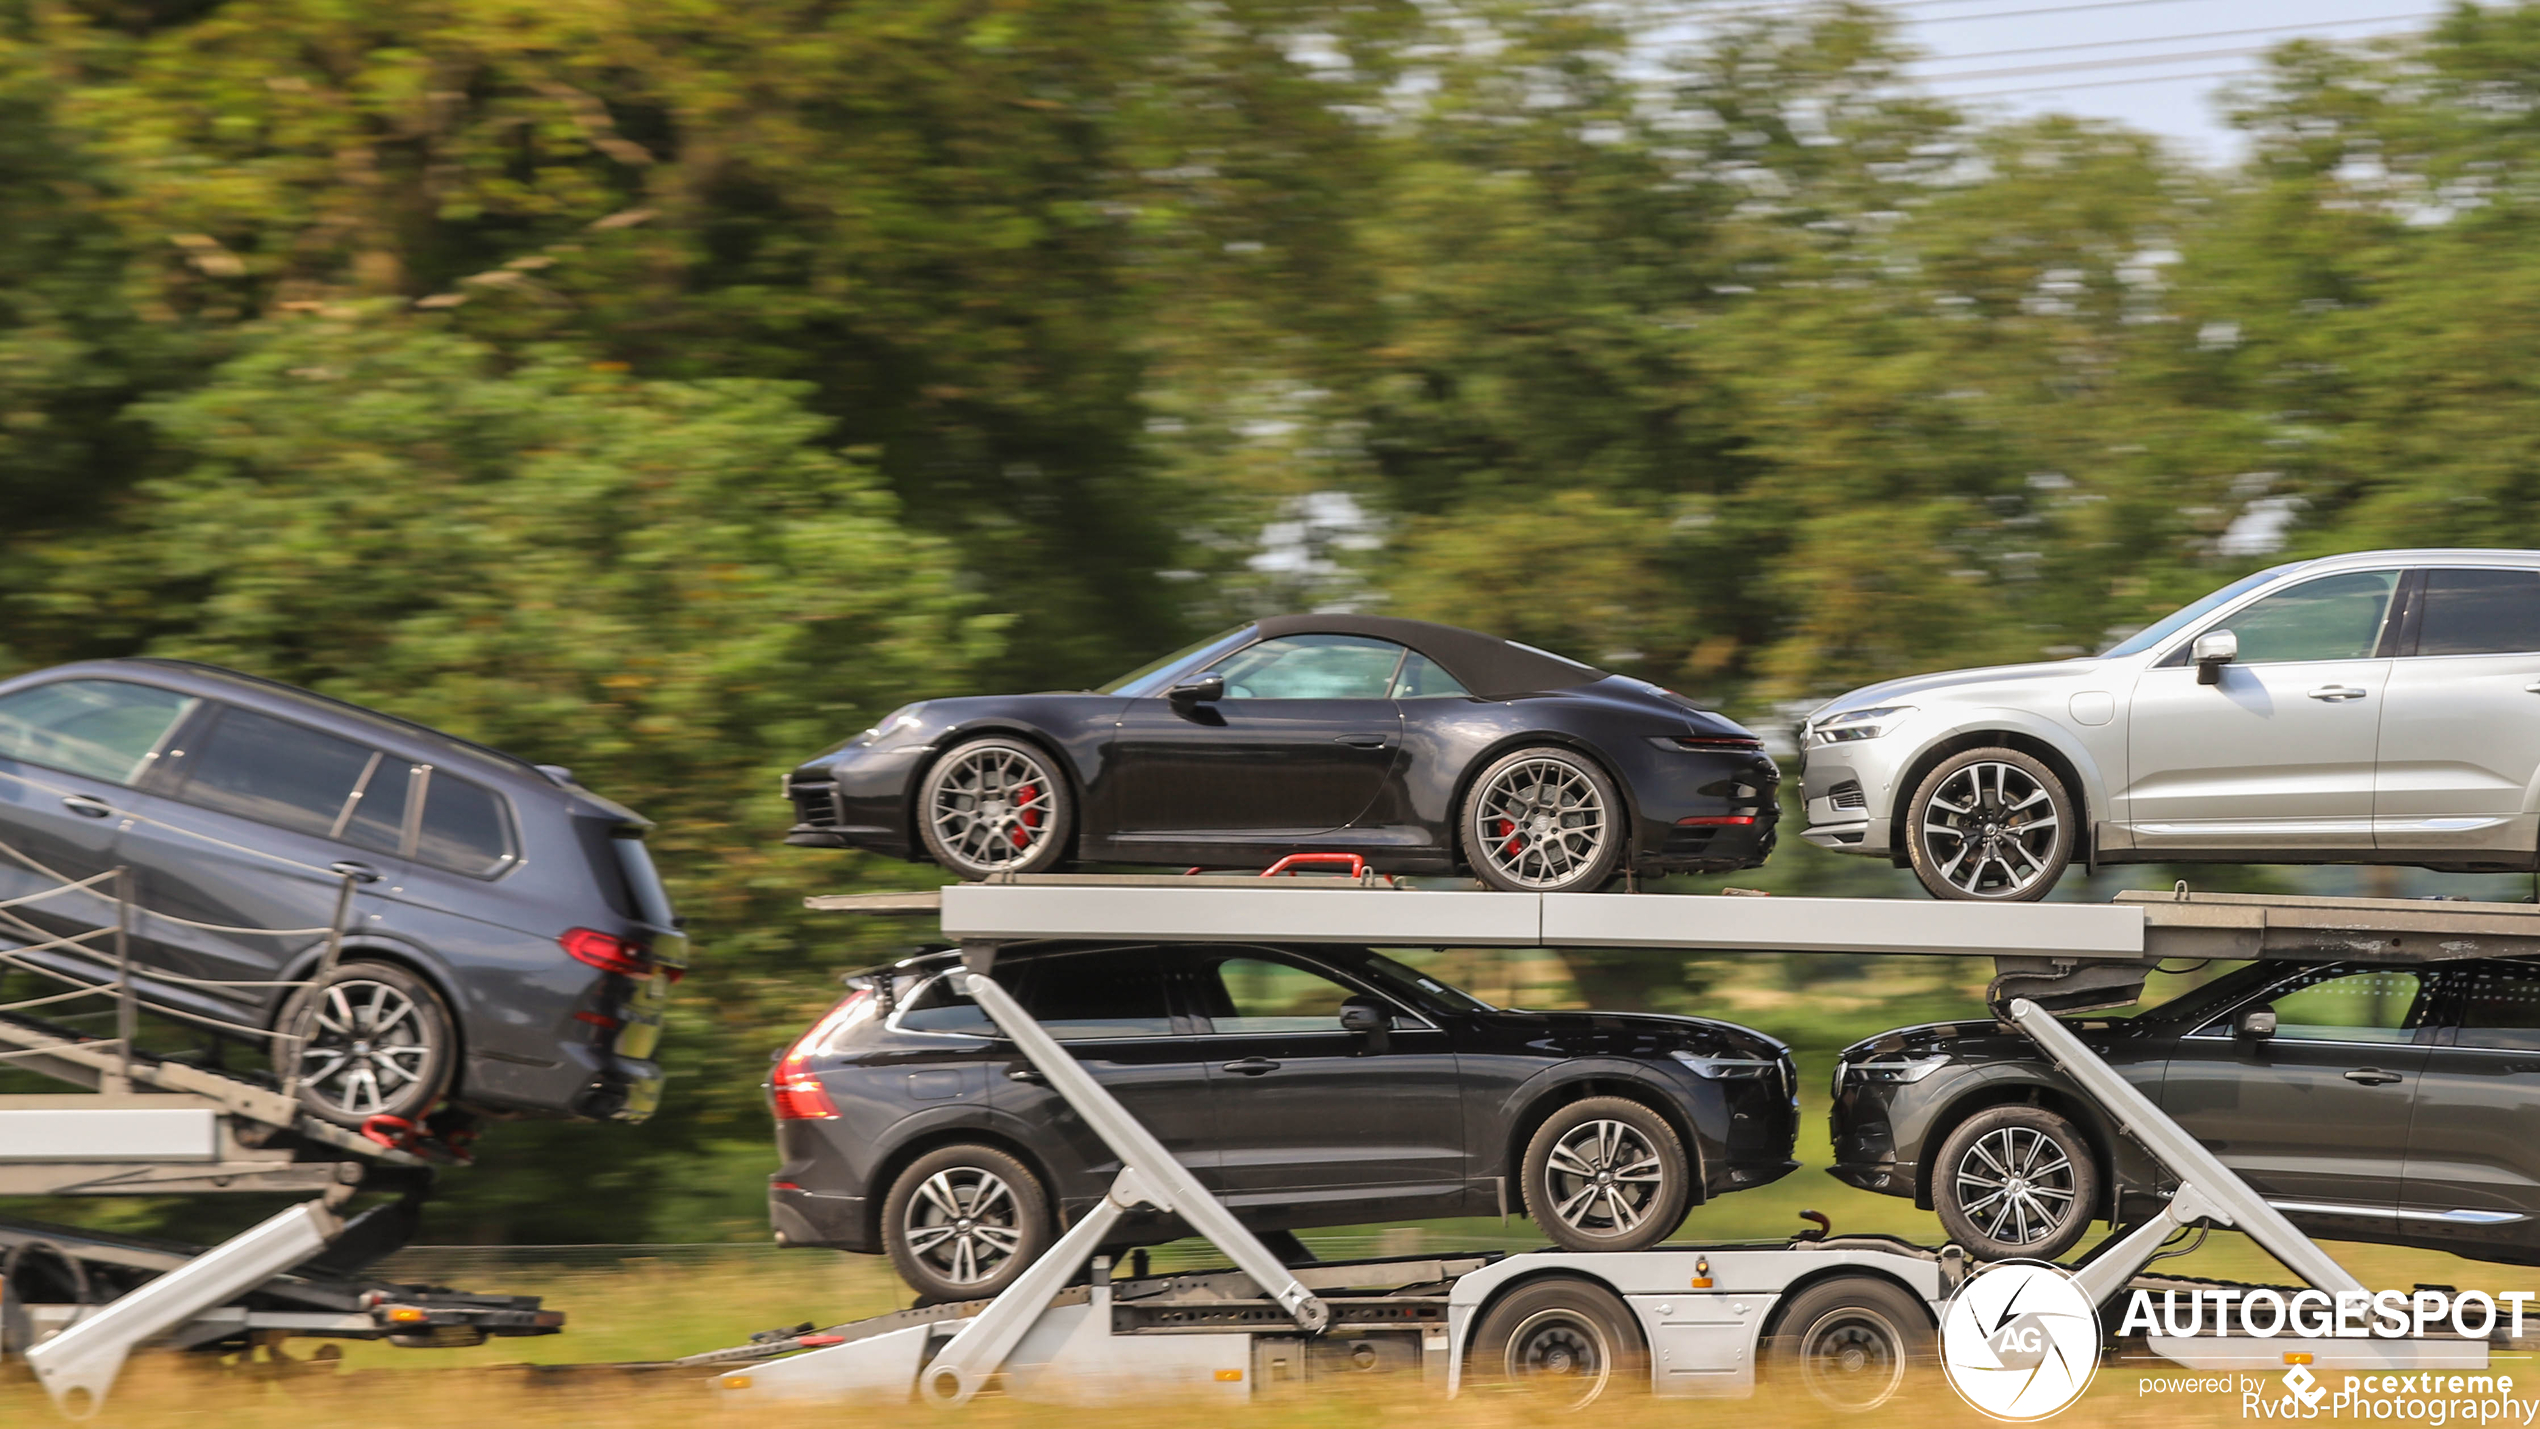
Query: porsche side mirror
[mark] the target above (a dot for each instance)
(2255, 1025)
(1208, 689)
(2213, 650)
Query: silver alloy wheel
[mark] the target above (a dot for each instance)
(1852, 1359)
(992, 807)
(1604, 1178)
(963, 1223)
(1540, 821)
(1560, 1345)
(366, 1047)
(1991, 816)
(2015, 1184)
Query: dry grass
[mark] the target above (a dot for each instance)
(656, 1311)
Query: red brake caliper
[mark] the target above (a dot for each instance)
(1508, 831)
(1030, 818)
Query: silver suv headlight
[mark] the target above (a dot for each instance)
(1851, 725)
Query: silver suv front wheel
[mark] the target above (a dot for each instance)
(1990, 825)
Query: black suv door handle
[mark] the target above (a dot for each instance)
(358, 872)
(1363, 741)
(87, 807)
(1031, 1075)
(1250, 1066)
(2372, 1077)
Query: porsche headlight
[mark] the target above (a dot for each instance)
(1851, 725)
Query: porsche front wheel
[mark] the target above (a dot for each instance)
(995, 806)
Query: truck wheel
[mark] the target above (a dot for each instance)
(1606, 1173)
(961, 1222)
(374, 1040)
(995, 806)
(1568, 1340)
(2016, 1182)
(1850, 1341)
(1991, 826)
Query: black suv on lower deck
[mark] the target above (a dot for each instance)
(907, 1125)
(2398, 1105)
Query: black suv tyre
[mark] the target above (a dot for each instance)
(1607, 1173)
(1568, 1340)
(1990, 826)
(374, 1039)
(995, 805)
(961, 1222)
(1850, 1341)
(2016, 1182)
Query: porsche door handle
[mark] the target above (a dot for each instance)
(2334, 693)
(1250, 1066)
(2372, 1077)
(1363, 741)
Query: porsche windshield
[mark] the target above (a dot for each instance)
(1147, 678)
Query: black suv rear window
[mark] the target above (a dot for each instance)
(274, 772)
(464, 829)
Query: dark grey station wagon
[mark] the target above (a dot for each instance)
(509, 945)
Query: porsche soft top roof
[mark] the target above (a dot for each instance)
(1490, 667)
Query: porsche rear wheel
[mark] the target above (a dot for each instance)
(1544, 820)
(995, 806)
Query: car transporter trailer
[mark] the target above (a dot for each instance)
(74, 1303)
(1069, 1329)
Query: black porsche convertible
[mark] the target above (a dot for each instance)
(1422, 748)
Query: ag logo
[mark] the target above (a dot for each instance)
(2018, 1341)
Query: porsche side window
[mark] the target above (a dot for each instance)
(1421, 679)
(2500, 1007)
(2480, 613)
(104, 729)
(2332, 618)
(1313, 667)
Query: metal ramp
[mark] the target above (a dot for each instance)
(74, 1304)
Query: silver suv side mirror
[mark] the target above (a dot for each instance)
(2213, 650)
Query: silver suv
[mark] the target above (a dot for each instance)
(2381, 707)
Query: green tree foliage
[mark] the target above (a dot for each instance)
(674, 588)
(665, 387)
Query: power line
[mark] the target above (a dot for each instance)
(2289, 28)
(2106, 84)
(2082, 66)
(1985, 15)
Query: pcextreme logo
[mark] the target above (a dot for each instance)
(2019, 1341)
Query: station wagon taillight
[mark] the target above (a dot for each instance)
(796, 1089)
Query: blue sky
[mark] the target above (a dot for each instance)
(2152, 64)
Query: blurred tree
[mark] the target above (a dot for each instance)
(675, 588)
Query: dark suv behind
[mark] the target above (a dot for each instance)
(906, 1124)
(2399, 1105)
(509, 944)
